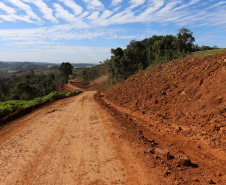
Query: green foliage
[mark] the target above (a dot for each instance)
(66, 69)
(11, 106)
(156, 50)
(53, 95)
(73, 93)
(185, 40)
(25, 91)
(138, 55)
(29, 86)
(207, 52)
(95, 71)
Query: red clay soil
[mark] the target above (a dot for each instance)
(67, 88)
(179, 111)
(96, 84)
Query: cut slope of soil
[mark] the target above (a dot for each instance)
(67, 88)
(96, 84)
(182, 105)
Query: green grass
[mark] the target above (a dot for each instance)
(12, 71)
(207, 52)
(11, 106)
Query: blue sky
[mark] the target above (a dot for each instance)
(84, 31)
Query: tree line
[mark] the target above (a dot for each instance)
(34, 85)
(139, 55)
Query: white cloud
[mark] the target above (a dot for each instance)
(60, 32)
(94, 15)
(193, 2)
(64, 14)
(217, 5)
(116, 8)
(135, 3)
(26, 8)
(14, 18)
(71, 4)
(84, 14)
(106, 14)
(94, 4)
(116, 2)
(47, 12)
(7, 9)
(154, 6)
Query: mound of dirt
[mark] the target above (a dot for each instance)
(96, 84)
(66, 88)
(182, 105)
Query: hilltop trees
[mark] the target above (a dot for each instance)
(138, 55)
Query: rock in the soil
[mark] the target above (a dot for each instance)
(166, 173)
(222, 130)
(212, 182)
(184, 160)
(195, 179)
(164, 153)
(178, 129)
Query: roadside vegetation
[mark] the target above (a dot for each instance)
(207, 52)
(32, 87)
(140, 55)
(11, 106)
(30, 84)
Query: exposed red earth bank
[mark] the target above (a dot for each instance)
(180, 105)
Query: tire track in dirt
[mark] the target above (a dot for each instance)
(51, 143)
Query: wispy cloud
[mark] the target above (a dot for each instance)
(116, 2)
(7, 9)
(64, 14)
(94, 4)
(135, 3)
(47, 12)
(75, 7)
(89, 13)
(54, 33)
(217, 5)
(14, 18)
(193, 2)
(26, 8)
(106, 14)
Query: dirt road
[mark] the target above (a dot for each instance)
(72, 141)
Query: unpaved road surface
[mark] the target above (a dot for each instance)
(71, 141)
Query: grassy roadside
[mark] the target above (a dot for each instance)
(11, 106)
(207, 52)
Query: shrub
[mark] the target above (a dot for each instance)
(11, 106)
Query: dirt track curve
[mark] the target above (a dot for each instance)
(71, 141)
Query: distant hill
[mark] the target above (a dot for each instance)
(13, 67)
(22, 66)
(82, 65)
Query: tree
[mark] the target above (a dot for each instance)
(115, 66)
(185, 40)
(25, 91)
(66, 69)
